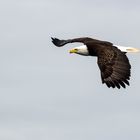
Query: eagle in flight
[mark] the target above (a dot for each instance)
(112, 60)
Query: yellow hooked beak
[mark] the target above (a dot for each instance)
(73, 51)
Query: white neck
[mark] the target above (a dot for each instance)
(82, 50)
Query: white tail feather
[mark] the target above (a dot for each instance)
(127, 49)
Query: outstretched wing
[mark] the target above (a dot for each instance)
(84, 40)
(114, 66)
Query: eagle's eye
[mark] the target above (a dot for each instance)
(76, 49)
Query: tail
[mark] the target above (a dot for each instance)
(128, 49)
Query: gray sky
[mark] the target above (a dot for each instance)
(48, 94)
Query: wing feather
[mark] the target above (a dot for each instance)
(115, 67)
(59, 43)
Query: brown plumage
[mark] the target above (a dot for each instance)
(113, 63)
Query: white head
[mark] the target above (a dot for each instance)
(82, 50)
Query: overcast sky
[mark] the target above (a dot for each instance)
(48, 94)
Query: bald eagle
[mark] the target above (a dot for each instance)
(111, 59)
